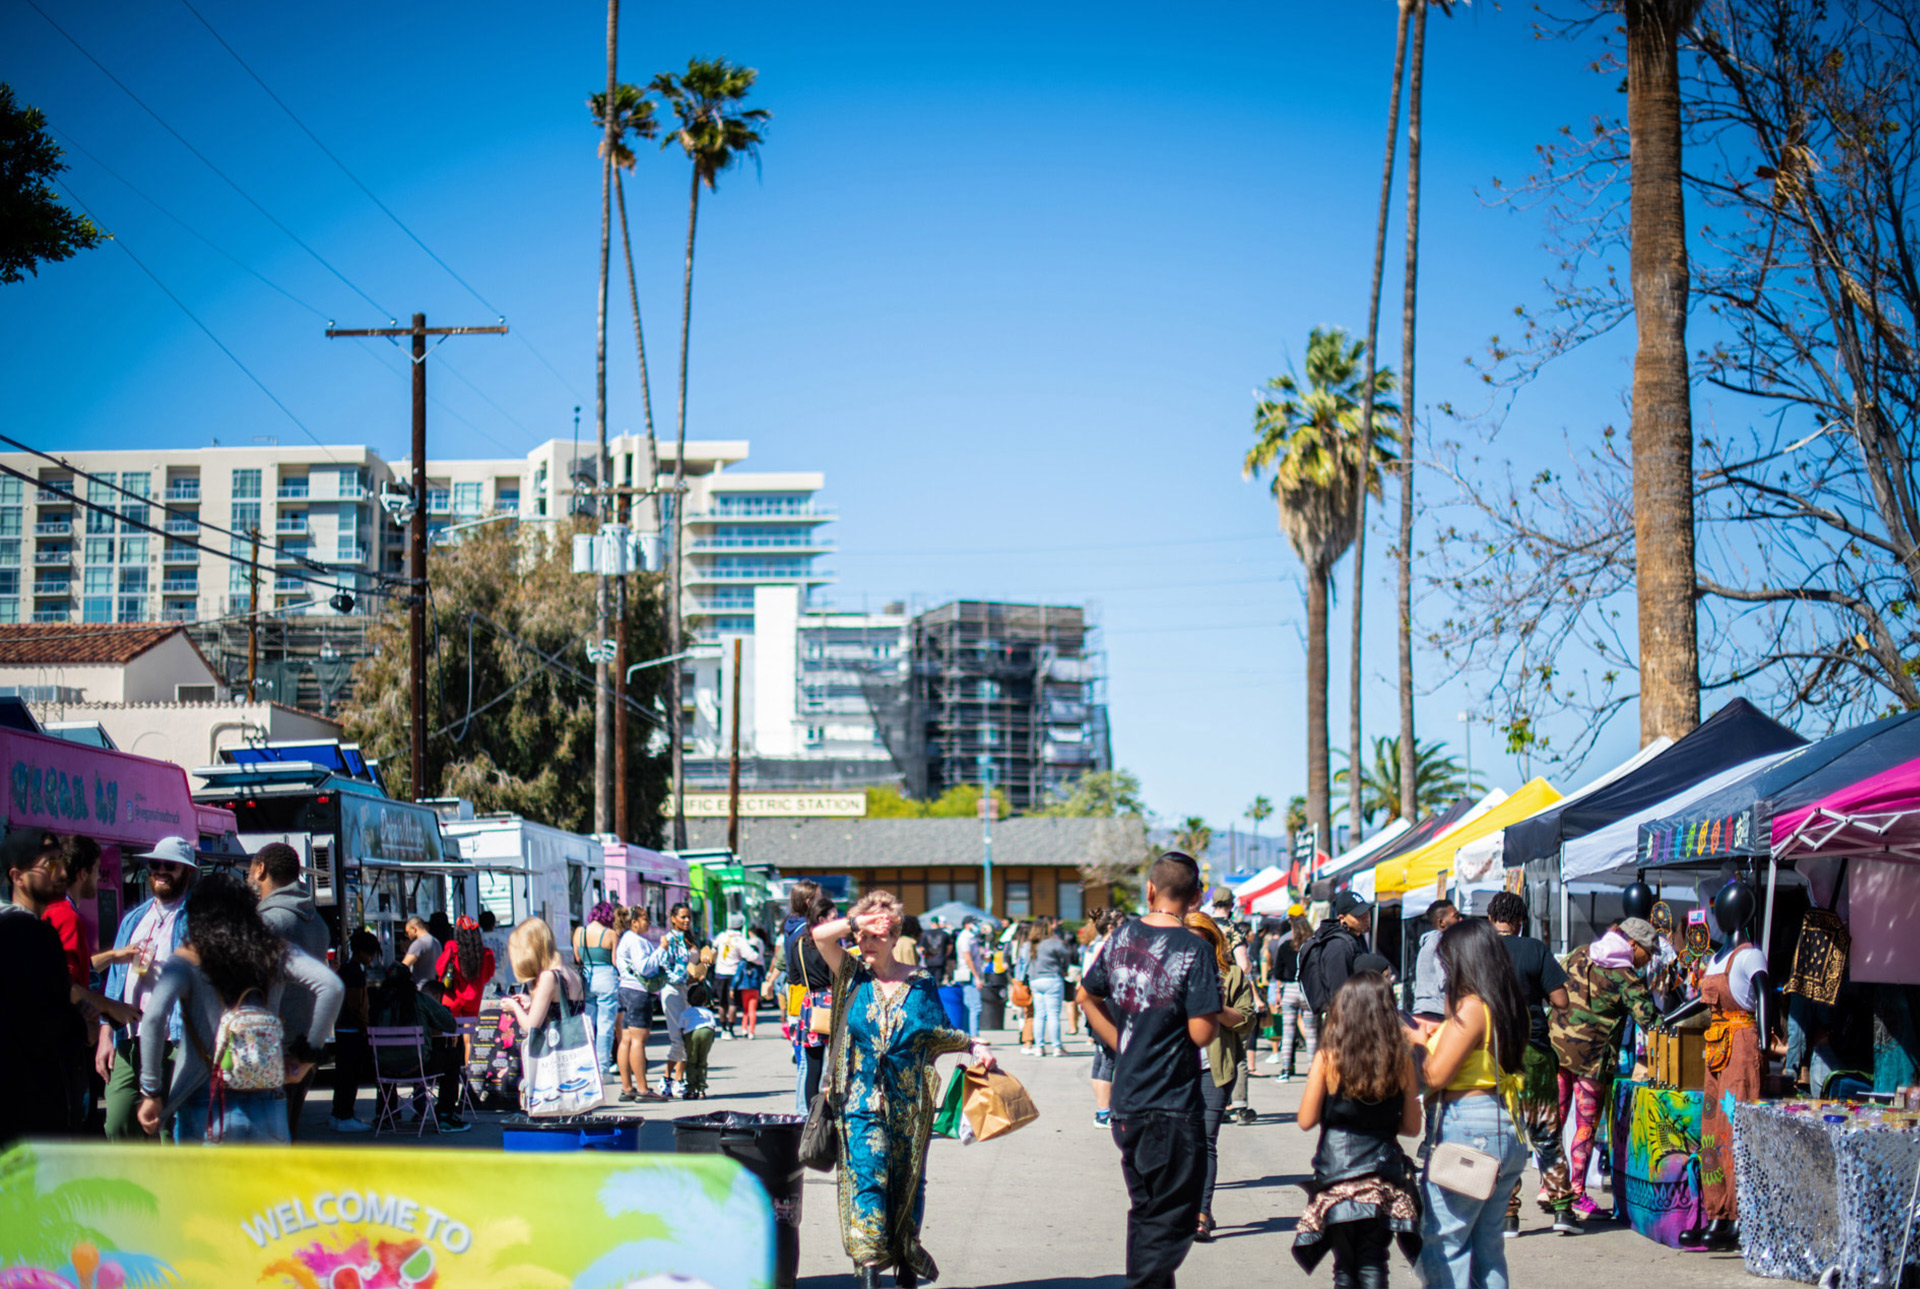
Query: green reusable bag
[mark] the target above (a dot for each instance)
(947, 1122)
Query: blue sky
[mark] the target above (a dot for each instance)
(1007, 274)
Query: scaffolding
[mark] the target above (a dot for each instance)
(1008, 694)
(303, 662)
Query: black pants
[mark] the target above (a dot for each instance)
(1215, 1098)
(352, 1067)
(1360, 1253)
(1163, 1158)
(816, 1062)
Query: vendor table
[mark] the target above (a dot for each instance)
(1815, 1195)
(1655, 1146)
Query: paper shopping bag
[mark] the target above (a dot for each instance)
(995, 1103)
(947, 1122)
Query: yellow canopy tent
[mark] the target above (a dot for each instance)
(1418, 870)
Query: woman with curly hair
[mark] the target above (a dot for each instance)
(464, 968)
(1362, 1094)
(230, 964)
(593, 944)
(1222, 1056)
(888, 1029)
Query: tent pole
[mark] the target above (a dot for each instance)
(1766, 923)
(1566, 911)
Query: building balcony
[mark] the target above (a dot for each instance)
(808, 545)
(44, 558)
(52, 613)
(707, 576)
(188, 556)
(350, 554)
(803, 512)
(180, 585)
(175, 524)
(291, 554)
(53, 586)
(290, 524)
(54, 528)
(182, 490)
(186, 611)
(291, 491)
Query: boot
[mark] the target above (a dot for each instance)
(869, 1277)
(1694, 1238)
(903, 1276)
(1721, 1237)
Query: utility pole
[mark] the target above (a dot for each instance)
(621, 823)
(417, 557)
(253, 614)
(733, 764)
(988, 809)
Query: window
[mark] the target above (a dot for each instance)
(237, 580)
(437, 500)
(246, 515)
(134, 610)
(10, 521)
(967, 893)
(97, 608)
(100, 521)
(193, 693)
(133, 581)
(1019, 899)
(988, 691)
(9, 611)
(990, 735)
(10, 551)
(133, 550)
(246, 485)
(9, 492)
(137, 484)
(9, 581)
(1069, 900)
(99, 550)
(507, 499)
(99, 581)
(467, 498)
(938, 893)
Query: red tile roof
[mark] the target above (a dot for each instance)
(103, 644)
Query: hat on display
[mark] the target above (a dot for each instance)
(173, 850)
(1641, 932)
(1347, 904)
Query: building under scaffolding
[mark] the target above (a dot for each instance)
(1012, 694)
(300, 661)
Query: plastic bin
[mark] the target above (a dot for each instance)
(768, 1146)
(575, 1132)
(953, 999)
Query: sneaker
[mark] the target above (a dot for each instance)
(1246, 1115)
(1282, 1077)
(1059, 1051)
(349, 1125)
(629, 1095)
(1272, 1058)
(1102, 1117)
(1043, 1052)
(453, 1123)
(1584, 1208)
(666, 1089)
(1564, 1223)
(1026, 1050)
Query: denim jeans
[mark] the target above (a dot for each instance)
(259, 1117)
(1049, 995)
(603, 998)
(971, 993)
(1465, 1245)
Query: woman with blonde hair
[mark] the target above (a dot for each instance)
(1221, 1058)
(888, 1029)
(536, 960)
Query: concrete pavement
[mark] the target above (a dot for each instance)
(1046, 1206)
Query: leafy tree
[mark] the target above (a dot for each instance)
(1308, 436)
(1121, 855)
(1102, 794)
(1193, 837)
(510, 729)
(1296, 814)
(34, 227)
(716, 132)
(1438, 778)
(961, 801)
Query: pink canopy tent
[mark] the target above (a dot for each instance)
(1876, 818)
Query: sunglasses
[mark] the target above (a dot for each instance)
(161, 866)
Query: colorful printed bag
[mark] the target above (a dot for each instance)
(560, 1075)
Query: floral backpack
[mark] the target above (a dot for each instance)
(249, 1052)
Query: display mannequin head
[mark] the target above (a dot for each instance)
(1637, 901)
(1733, 908)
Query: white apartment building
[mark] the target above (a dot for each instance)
(76, 550)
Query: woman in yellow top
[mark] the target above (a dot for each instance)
(1473, 1063)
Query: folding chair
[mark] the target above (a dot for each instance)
(469, 1034)
(386, 1088)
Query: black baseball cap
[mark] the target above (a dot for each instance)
(1346, 903)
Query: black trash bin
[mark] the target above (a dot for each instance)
(768, 1146)
(993, 1007)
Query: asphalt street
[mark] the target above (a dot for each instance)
(1046, 1206)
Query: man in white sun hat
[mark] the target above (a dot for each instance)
(149, 934)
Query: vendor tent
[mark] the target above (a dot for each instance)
(1613, 849)
(1273, 901)
(1418, 870)
(1737, 821)
(1411, 840)
(1737, 733)
(1484, 861)
(1876, 818)
(1261, 883)
(1370, 849)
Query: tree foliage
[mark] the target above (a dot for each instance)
(1099, 794)
(528, 744)
(961, 801)
(1802, 122)
(1121, 856)
(34, 227)
(1439, 780)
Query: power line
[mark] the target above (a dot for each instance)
(205, 328)
(204, 159)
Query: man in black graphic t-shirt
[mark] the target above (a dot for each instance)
(1153, 997)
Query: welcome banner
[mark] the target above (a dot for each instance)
(99, 1216)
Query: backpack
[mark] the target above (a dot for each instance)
(1312, 970)
(249, 1049)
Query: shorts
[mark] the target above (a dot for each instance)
(1102, 1062)
(634, 1007)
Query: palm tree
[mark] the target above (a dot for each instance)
(1354, 672)
(1663, 536)
(632, 115)
(1438, 781)
(1193, 837)
(716, 132)
(602, 473)
(1260, 811)
(1309, 438)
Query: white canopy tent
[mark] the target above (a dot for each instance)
(1365, 851)
(1617, 846)
(1477, 865)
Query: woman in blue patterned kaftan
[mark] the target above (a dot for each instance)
(889, 1028)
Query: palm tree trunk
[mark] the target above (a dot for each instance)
(603, 758)
(1354, 738)
(1319, 784)
(653, 462)
(680, 528)
(1409, 769)
(1663, 535)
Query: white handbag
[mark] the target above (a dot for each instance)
(1463, 1170)
(559, 1071)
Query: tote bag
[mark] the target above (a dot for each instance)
(559, 1072)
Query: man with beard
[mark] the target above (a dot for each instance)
(149, 934)
(43, 1061)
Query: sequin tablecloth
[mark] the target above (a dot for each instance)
(1815, 1195)
(1655, 1146)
